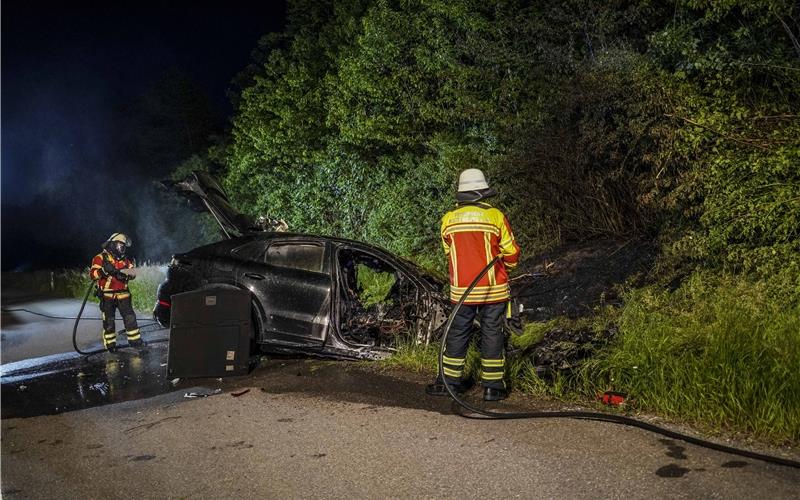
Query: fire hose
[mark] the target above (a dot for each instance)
(75, 327)
(582, 415)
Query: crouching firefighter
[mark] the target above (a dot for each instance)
(112, 290)
(473, 235)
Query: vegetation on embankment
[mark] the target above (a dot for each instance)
(676, 122)
(74, 283)
(718, 352)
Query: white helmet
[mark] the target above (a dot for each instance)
(116, 244)
(119, 237)
(472, 179)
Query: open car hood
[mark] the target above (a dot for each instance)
(204, 193)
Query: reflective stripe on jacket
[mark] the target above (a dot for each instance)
(472, 235)
(110, 286)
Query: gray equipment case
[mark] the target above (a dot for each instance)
(209, 333)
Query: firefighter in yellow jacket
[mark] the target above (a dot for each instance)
(472, 235)
(111, 272)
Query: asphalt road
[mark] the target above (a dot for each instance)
(115, 426)
(27, 332)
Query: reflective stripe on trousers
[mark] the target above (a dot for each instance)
(492, 342)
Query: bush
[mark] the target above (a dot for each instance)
(719, 351)
(145, 287)
(74, 283)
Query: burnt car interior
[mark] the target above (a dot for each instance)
(378, 305)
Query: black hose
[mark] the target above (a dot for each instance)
(584, 415)
(78, 318)
(75, 326)
(35, 313)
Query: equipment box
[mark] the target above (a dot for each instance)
(209, 333)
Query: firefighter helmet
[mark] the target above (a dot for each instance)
(472, 179)
(117, 243)
(120, 237)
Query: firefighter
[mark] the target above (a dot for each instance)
(472, 235)
(112, 289)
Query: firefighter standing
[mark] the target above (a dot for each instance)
(472, 235)
(112, 289)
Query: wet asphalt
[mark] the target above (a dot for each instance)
(302, 428)
(58, 384)
(42, 375)
(117, 426)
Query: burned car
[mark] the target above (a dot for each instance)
(310, 294)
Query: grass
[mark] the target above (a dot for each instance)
(415, 358)
(145, 286)
(720, 352)
(74, 282)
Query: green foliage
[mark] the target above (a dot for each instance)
(720, 351)
(674, 121)
(590, 120)
(74, 282)
(145, 287)
(734, 99)
(414, 357)
(532, 333)
(363, 135)
(373, 285)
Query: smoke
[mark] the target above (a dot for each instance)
(164, 225)
(84, 133)
(71, 177)
(66, 226)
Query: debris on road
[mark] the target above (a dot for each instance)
(201, 394)
(101, 387)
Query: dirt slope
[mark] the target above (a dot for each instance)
(574, 278)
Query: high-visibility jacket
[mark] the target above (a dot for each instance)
(111, 287)
(472, 235)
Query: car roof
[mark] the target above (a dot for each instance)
(227, 245)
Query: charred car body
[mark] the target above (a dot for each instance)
(310, 294)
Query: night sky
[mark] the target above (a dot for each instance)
(73, 75)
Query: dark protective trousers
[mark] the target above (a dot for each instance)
(491, 317)
(108, 308)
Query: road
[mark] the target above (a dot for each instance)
(27, 331)
(115, 426)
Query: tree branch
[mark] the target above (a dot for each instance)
(788, 30)
(746, 142)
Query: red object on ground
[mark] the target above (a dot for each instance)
(612, 398)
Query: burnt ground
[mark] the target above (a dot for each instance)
(577, 277)
(572, 281)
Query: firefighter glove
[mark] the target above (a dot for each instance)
(109, 269)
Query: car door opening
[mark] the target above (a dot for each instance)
(378, 302)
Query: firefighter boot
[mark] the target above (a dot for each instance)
(438, 388)
(135, 338)
(492, 394)
(110, 341)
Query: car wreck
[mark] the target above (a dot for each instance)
(310, 294)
